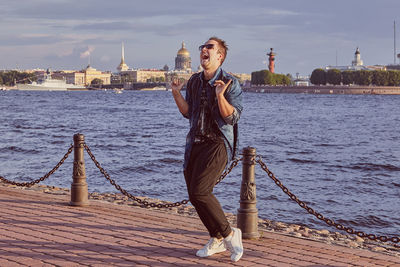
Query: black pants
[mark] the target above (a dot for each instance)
(206, 164)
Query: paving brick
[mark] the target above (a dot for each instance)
(47, 231)
(8, 263)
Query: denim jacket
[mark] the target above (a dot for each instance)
(227, 126)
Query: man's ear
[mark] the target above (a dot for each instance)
(220, 56)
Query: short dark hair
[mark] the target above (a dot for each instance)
(223, 47)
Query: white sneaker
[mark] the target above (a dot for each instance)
(234, 244)
(213, 246)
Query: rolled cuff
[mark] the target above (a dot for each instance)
(231, 118)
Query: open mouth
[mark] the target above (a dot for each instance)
(205, 56)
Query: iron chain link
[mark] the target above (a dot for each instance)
(29, 184)
(234, 163)
(319, 216)
(145, 203)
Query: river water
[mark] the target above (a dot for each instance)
(338, 153)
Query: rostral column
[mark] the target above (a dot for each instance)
(271, 58)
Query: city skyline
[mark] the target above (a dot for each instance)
(305, 34)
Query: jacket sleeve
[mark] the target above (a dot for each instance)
(188, 97)
(234, 96)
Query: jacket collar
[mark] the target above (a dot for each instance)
(214, 78)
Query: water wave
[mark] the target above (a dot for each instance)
(396, 184)
(328, 145)
(171, 160)
(374, 167)
(305, 161)
(366, 220)
(19, 150)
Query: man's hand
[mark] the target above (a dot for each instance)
(220, 87)
(176, 84)
(225, 109)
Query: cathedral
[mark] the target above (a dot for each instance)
(183, 62)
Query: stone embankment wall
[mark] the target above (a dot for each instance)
(327, 89)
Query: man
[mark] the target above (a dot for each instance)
(213, 104)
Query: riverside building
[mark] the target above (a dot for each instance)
(183, 62)
(128, 75)
(356, 64)
(183, 66)
(83, 77)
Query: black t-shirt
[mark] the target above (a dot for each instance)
(206, 126)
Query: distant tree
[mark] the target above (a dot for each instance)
(393, 78)
(267, 77)
(12, 77)
(256, 77)
(278, 79)
(380, 77)
(318, 77)
(333, 76)
(348, 77)
(363, 77)
(289, 79)
(165, 68)
(281, 79)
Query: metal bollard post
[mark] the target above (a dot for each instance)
(79, 187)
(247, 217)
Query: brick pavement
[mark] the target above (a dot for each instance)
(39, 229)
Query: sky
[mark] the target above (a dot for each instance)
(305, 34)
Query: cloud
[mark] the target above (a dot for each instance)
(104, 26)
(29, 40)
(87, 52)
(301, 31)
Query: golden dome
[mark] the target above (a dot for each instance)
(183, 51)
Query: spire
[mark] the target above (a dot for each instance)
(122, 66)
(122, 53)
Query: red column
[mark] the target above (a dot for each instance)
(271, 59)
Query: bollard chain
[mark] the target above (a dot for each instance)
(144, 202)
(124, 192)
(319, 216)
(234, 163)
(29, 184)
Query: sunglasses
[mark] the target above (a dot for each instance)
(208, 46)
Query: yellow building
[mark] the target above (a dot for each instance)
(182, 75)
(145, 75)
(77, 78)
(85, 77)
(91, 74)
